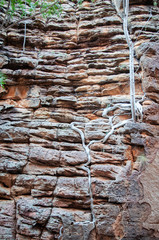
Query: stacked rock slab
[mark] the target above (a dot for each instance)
(73, 67)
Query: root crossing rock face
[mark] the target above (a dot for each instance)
(79, 124)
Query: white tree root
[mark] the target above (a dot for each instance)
(131, 57)
(86, 166)
(136, 111)
(60, 232)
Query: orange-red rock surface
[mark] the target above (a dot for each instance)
(74, 67)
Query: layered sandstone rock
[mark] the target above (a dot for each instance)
(72, 69)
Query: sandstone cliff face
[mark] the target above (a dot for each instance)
(52, 186)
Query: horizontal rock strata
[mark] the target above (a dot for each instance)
(75, 66)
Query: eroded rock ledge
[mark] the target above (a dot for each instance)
(73, 68)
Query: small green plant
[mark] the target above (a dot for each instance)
(155, 3)
(142, 159)
(80, 2)
(27, 9)
(2, 79)
(123, 67)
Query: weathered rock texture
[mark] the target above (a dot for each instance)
(74, 67)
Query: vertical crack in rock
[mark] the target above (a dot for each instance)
(47, 220)
(61, 228)
(15, 220)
